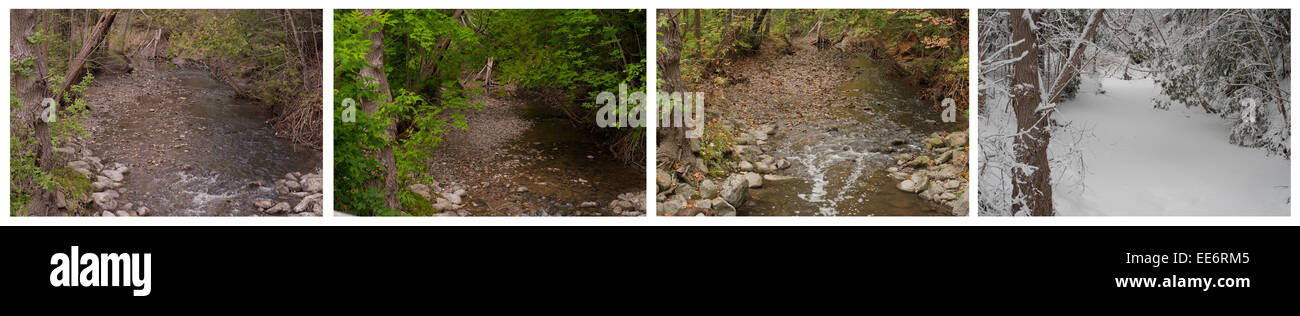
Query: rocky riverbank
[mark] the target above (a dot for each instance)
(941, 179)
(522, 157)
(166, 140)
(678, 197)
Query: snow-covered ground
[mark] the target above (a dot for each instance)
(1137, 160)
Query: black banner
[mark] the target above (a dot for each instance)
(360, 264)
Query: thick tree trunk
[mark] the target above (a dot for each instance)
(31, 90)
(87, 47)
(1032, 183)
(672, 142)
(373, 72)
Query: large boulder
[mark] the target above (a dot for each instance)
(735, 189)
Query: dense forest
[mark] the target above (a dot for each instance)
(97, 65)
(1134, 112)
(405, 79)
(787, 90)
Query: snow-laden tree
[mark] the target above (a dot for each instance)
(1235, 63)
(1029, 65)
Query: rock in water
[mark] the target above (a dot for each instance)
(755, 180)
(774, 177)
(916, 183)
(735, 189)
(293, 186)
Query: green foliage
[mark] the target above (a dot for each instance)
(581, 52)
(715, 148)
(244, 45)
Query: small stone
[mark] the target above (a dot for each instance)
(919, 162)
(774, 177)
(143, 211)
(521, 189)
(107, 214)
(723, 208)
(420, 189)
(278, 208)
(755, 180)
(113, 175)
(589, 204)
(704, 204)
(708, 189)
(957, 139)
(664, 179)
(746, 166)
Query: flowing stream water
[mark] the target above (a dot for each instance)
(194, 147)
(839, 165)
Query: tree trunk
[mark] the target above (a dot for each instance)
(373, 72)
(126, 30)
(672, 142)
(1076, 55)
(430, 65)
(695, 24)
(30, 91)
(1032, 188)
(758, 21)
(87, 47)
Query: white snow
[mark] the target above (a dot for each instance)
(1143, 161)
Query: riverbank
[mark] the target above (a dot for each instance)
(816, 132)
(520, 157)
(166, 140)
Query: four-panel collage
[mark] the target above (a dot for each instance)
(703, 112)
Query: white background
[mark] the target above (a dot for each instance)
(651, 219)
